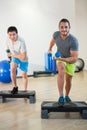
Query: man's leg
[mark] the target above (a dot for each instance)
(13, 77)
(68, 87)
(25, 80)
(68, 84)
(13, 74)
(60, 79)
(70, 68)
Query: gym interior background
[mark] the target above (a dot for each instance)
(36, 21)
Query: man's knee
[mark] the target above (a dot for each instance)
(24, 75)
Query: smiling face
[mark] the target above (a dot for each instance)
(64, 29)
(13, 36)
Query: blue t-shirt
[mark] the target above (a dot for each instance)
(65, 46)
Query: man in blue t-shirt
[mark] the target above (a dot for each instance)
(67, 45)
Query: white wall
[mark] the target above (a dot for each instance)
(81, 27)
(36, 21)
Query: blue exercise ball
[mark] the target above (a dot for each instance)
(5, 71)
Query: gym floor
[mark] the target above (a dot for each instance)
(18, 114)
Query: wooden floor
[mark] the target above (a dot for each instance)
(18, 114)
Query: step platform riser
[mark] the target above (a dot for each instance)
(31, 95)
(52, 106)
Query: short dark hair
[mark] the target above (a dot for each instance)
(12, 29)
(64, 20)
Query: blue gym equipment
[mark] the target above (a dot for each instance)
(48, 61)
(58, 54)
(5, 71)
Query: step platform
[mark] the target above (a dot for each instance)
(52, 106)
(31, 95)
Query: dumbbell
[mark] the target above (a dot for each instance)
(9, 57)
(58, 54)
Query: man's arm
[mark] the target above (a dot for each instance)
(72, 59)
(52, 42)
(21, 56)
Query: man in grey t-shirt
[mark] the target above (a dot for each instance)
(67, 45)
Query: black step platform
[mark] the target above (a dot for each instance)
(52, 106)
(21, 94)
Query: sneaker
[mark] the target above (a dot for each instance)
(67, 99)
(61, 100)
(14, 90)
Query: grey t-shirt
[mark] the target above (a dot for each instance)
(64, 46)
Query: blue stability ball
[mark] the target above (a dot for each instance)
(5, 71)
(57, 54)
